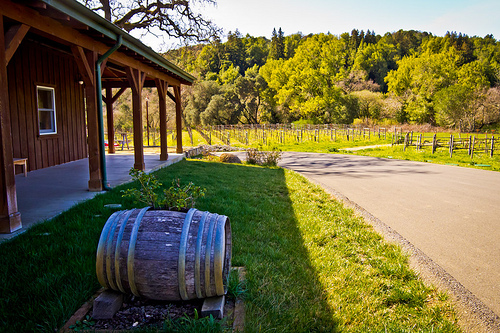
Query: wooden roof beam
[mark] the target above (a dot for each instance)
(13, 38)
(84, 66)
(35, 4)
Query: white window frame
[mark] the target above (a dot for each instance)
(53, 130)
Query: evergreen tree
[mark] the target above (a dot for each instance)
(235, 51)
(277, 50)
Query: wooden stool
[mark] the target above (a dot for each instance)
(22, 162)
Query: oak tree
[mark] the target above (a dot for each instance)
(176, 18)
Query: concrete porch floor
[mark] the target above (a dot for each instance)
(48, 192)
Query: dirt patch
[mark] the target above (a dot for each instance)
(140, 313)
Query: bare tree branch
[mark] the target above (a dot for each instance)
(176, 18)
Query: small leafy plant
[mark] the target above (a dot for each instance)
(179, 197)
(176, 197)
(84, 324)
(146, 194)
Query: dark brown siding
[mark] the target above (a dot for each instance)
(34, 64)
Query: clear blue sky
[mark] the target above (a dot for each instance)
(259, 17)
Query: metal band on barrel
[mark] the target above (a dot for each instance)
(208, 251)
(219, 249)
(118, 246)
(100, 251)
(181, 267)
(131, 251)
(197, 256)
(109, 274)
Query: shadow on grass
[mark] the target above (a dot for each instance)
(283, 291)
(49, 271)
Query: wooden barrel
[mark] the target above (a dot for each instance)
(165, 255)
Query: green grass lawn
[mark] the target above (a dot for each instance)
(312, 265)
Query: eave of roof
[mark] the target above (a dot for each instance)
(86, 16)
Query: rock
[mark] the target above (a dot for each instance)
(229, 158)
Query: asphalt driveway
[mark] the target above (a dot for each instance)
(451, 214)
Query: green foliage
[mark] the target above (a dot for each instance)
(176, 197)
(147, 191)
(453, 106)
(277, 49)
(84, 324)
(324, 78)
(376, 60)
(432, 81)
(370, 104)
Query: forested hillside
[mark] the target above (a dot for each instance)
(405, 76)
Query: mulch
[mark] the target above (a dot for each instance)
(140, 313)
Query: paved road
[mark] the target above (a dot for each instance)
(452, 214)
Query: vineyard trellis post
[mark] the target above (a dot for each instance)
(492, 146)
(434, 143)
(451, 145)
(472, 147)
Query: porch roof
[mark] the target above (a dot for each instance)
(75, 15)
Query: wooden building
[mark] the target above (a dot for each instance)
(57, 58)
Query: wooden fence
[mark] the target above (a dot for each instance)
(267, 134)
(289, 133)
(471, 143)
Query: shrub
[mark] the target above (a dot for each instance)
(229, 158)
(271, 158)
(253, 156)
(268, 158)
(176, 197)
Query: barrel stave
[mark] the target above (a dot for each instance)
(156, 253)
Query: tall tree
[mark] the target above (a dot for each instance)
(176, 18)
(235, 50)
(277, 45)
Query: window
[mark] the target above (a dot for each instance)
(46, 110)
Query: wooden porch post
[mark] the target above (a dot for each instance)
(136, 79)
(86, 62)
(162, 87)
(10, 218)
(109, 99)
(109, 115)
(178, 117)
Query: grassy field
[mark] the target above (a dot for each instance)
(312, 265)
(480, 159)
(442, 156)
